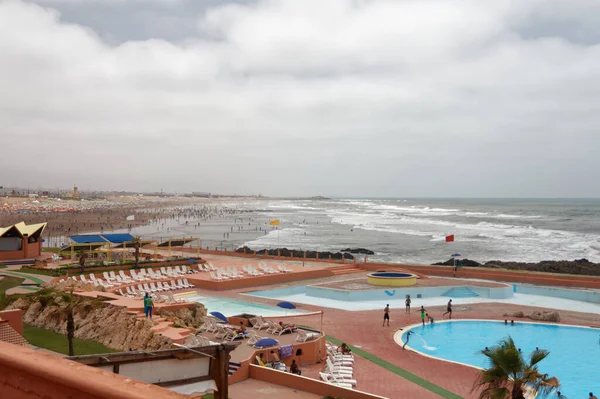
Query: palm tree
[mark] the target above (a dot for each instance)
(137, 244)
(509, 373)
(70, 302)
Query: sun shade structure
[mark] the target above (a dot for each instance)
(21, 241)
(88, 239)
(129, 244)
(117, 238)
(179, 242)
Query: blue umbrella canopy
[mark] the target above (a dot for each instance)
(286, 305)
(263, 343)
(455, 255)
(220, 316)
(191, 261)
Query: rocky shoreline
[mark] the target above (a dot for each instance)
(577, 266)
(286, 253)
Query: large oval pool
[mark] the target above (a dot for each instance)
(574, 351)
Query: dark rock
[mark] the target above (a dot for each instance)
(284, 252)
(578, 266)
(464, 262)
(359, 251)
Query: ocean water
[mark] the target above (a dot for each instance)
(402, 230)
(414, 230)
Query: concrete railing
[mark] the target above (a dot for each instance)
(29, 374)
(306, 384)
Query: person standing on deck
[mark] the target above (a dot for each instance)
(407, 303)
(386, 315)
(423, 311)
(148, 305)
(448, 310)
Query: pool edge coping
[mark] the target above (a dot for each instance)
(400, 331)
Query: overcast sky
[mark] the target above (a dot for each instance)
(300, 97)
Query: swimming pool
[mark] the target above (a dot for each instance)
(574, 351)
(231, 308)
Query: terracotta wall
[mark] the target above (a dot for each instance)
(14, 318)
(28, 251)
(258, 280)
(12, 255)
(29, 374)
(312, 352)
(506, 275)
(306, 384)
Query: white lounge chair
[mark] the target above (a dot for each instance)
(180, 285)
(333, 367)
(258, 323)
(341, 362)
(157, 287)
(113, 276)
(173, 285)
(303, 336)
(331, 379)
(148, 289)
(215, 277)
(125, 277)
(187, 283)
(222, 332)
(106, 276)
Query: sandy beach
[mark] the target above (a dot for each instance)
(141, 215)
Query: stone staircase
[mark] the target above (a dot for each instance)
(350, 269)
(233, 367)
(165, 328)
(460, 292)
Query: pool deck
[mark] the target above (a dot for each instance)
(359, 283)
(362, 328)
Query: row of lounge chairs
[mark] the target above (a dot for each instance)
(159, 287)
(258, 323)
(339, 368)
(112, 280)
(232, 272)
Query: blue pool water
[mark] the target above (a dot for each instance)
(231, 308)
(574, 351)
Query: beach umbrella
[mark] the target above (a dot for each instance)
(220, 316)
(192, 261)
(455, 255)
(286, 305)
(263, 343)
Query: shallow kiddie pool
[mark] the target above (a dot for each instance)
(392, 279)
(574, 351)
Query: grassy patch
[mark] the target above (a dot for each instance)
(19, 275)
(43, 272)
(7, 283)
(51, 249)
(58, 343)
(399, 371)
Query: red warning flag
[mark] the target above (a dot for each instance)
(450, 238)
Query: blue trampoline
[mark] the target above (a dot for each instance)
(88, 239)
(118, 238)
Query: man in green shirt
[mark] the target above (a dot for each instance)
(148, 304)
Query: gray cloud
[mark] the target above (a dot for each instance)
(369, 98)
